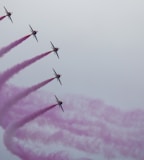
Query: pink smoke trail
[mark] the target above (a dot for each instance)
(20, 96)
(6, 49)
(87, 128)
(9, 133)
(2, 17)
(18, 67)
(11, 129)
(29, 118)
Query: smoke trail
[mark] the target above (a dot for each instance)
(20, 96)
(18, 67)
(9, 133)
(2, 17)
(6, 49)
(29, 118)
(87, 129)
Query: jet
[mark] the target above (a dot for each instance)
(8, 14)
(55, 49)
(33, 32)
(57, 76)
(59, 103)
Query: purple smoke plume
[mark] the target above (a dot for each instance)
(86, 129)
(2, 17)
(9, 133)
(6, 75)
(6, 49)
(5, 107)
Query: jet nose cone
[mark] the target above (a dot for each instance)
(56, 49)
(35, 32)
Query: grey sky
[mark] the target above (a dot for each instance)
(100, 41)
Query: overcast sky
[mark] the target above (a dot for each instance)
(100, 41)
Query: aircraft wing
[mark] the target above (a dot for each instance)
(5, 9)
(56, 98)
(36, 38)
(54, 72)
(57, 54)
(31, 28)
(10, 19)
(59, 81)
(52, 45)
(62, 108)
